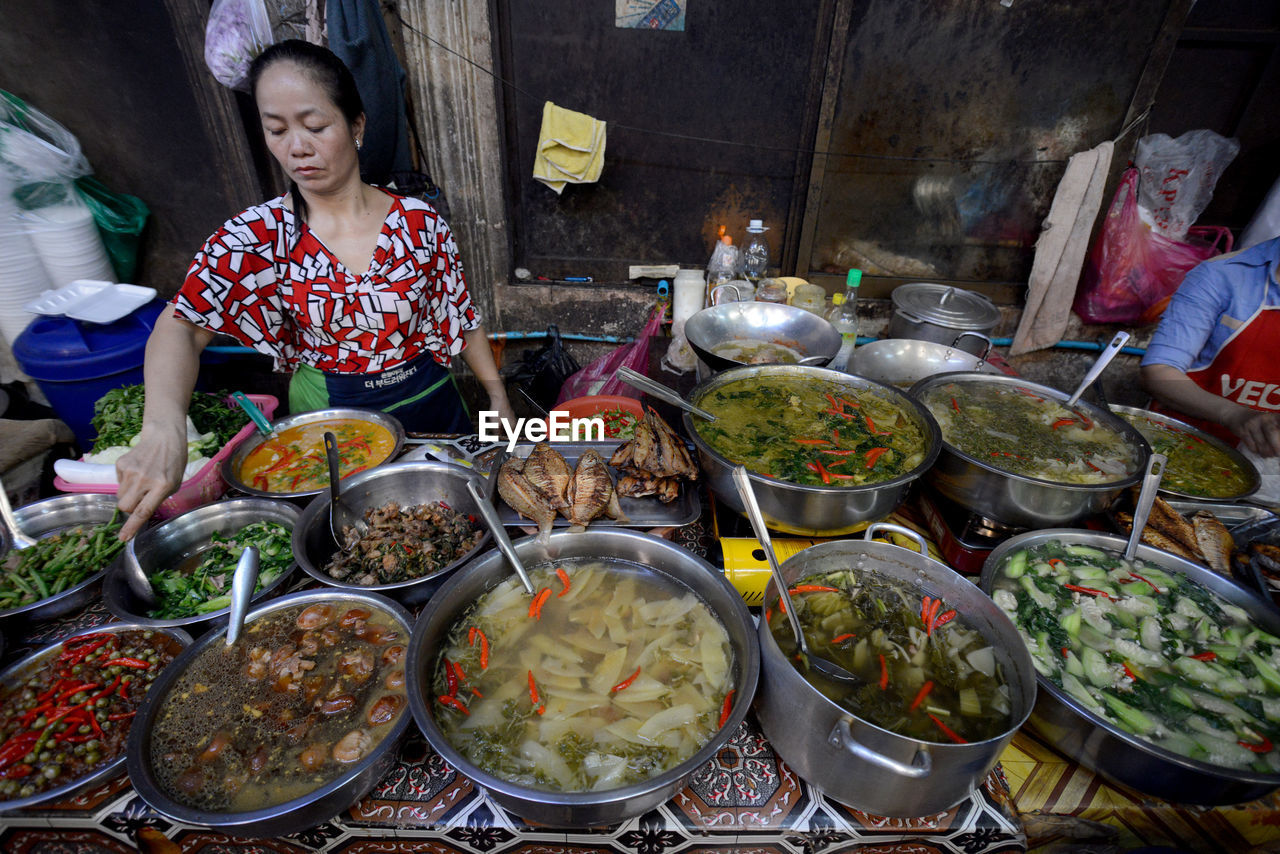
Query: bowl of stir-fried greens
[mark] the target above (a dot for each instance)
(1155, 672)
(191, 558)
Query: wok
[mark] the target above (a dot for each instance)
(903, 362)
(807, 333)
(1102, 746)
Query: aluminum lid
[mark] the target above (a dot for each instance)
(946, 306)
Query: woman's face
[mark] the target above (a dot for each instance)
(305, 130)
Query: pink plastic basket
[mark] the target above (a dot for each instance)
(201, 488)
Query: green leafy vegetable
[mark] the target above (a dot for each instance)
(57, 563)
(207, 588)
(117, 417)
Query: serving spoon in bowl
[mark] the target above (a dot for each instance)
(18, 539)
(490, 514)
(822, 666)
(1099, 365)
(341, 516)
(1146, 497)
(660, 391)
(242, 584)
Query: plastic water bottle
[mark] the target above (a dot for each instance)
(723, 265)
(844, 317)
(755, 260)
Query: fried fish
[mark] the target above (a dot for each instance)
(590, 492)
(547, 470)
(525, 498)
(1215, 541)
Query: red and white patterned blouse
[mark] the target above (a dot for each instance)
(281, 292)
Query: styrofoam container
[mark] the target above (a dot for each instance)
(111, 304)
(203, 487)
(65, 297)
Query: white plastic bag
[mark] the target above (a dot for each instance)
(39, 157)
(1177, 177)
(237, 31)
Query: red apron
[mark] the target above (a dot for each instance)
(1245, 371)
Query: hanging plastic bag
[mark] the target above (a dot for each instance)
(237, 31)
(541, 373)
(1131, 267)
(1177, 177)
(40, 157)
(120, 219)
(598, 376)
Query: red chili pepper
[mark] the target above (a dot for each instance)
(923, 692)
(260, 482)
(955, 405)
(462, 676)
(1128, 672)
(564, 579)
(874, 455)
(1063, 422)
(21, 770)
(768, 615)
(946, 730)
(933, 615)
(535, 607)
(450, 678)
(1208, 655)
(924, 610)
(625, 683)
(533, 695)
(474, 633)
(831, 399)
(822, 472)
(850, 403)
(135, 663)
(848, 416)
(107, 691)
(1140, 578)
(884, 674)
(1091, 465)
(812, 588)
(453, 703)
(944, 618)
(1091, 591)
(871, 425)
(124, 690)
(842, 638)
(1064, 652)
(726, 707)
(289, 456)
(119, 716)
(1264, 747)
(811, 441)
(62, 695)
(1054, 561)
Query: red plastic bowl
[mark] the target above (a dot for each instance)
(585, 407)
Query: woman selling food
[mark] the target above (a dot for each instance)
(359, 292)
(1215, 358)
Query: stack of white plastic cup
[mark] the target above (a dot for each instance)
(22, 275)
(67, 241)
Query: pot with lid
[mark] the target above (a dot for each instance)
(938, 313)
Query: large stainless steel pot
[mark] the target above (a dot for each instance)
(1238, 459)
(903, 362)
(1019, 500)
(1100, 745)
(857, 762)
(309, 810)
(815, 511)
(407, 484)
(802, 331)
(582, 809)
(938, 313)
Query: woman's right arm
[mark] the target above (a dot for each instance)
(150, 472)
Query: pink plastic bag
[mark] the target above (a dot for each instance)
(597, 377)
(1131, 268)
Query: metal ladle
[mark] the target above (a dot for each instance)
(1104, 358)
(490, 514)
(1147, 497)
(20, 540)
(341, 516)
(822, 666)
(242, 584)
(658, 390)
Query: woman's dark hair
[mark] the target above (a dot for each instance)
(326, 70)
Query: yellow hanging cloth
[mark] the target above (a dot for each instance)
(570, 148)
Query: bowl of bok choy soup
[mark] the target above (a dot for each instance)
(941, 680)
(1155, 672)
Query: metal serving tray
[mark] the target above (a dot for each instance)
(643, 512)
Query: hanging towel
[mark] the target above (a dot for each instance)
(570, 148)
(1061, 249)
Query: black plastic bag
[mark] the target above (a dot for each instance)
(541, 372)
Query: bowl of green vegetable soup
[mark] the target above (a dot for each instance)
(191, 558)
(1155, 672)
(75, 544)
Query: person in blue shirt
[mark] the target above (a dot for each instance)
(1214, 360)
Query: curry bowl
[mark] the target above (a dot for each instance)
(734, 334)
(420, 482)
(1070, 716)
(196, 756)
(596, 564)
(822, 509)
(1196, 458)
(81, 760)
(182, 541)
(291, 459)
(52, 516)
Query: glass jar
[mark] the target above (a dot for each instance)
(771, 290)
(812, 298)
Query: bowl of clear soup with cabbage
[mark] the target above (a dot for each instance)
(596, 697)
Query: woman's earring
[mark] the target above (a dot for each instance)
(358, 144)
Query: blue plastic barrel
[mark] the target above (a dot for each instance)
(76, 362)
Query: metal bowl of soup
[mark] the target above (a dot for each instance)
(734, 334)
(981, 477)
(624, 554)
(290, 461)
(1094, 738)
(226, 730)
(820, 509)
(1201, 467)
(407, 484)
(182, 543)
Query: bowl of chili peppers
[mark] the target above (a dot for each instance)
(620, 414)
(66, 709)
(75, 544)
